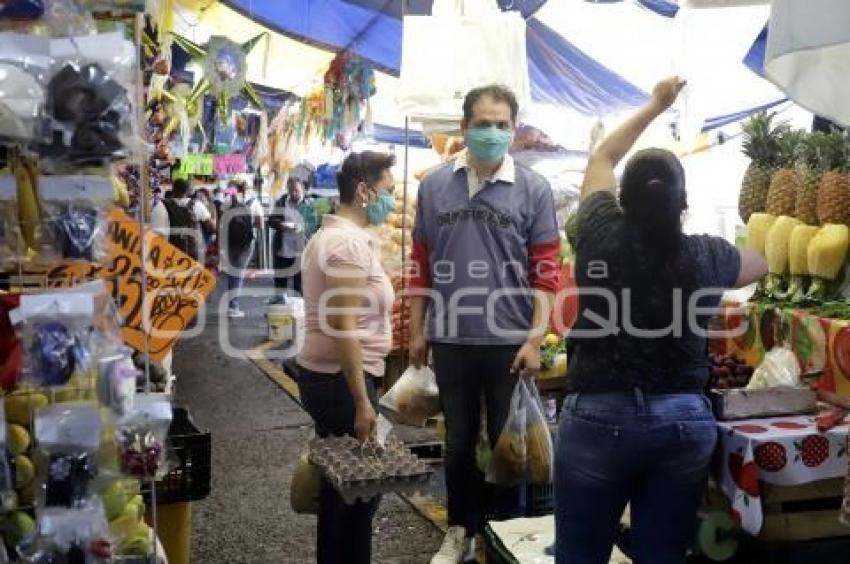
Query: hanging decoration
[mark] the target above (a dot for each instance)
(349, 86)
(225, 67)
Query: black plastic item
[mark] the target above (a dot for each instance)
(75, 231)
(190, 449)
(68, 478)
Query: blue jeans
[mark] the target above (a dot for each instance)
(651, 450)
(344, 532)
(239, 259)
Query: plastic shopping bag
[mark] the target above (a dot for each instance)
(305, 487)
(523, 452)
(779, 369)
(414, 397)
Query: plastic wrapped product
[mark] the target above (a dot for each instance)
(11, 243)
(79, 534)
(74, 217)
(141, 436)
(69, 435)
(24, 62)
(88, 99)
(57, 337)
(117, 378)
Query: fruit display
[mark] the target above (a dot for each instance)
(809, 176)
(761, 145)
(826, 254)
(727, 372)
(798, 261)
(782, 194)
(757, 228)
(833, 202)
(363, 470)
(776, 251)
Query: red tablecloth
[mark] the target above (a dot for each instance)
(785, 451)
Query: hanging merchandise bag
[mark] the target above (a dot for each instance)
(11, 242)
(414, 398)
(509, 459)
(75, 210)
(24, 62)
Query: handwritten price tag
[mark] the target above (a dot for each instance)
(177, 285)
(230, 164)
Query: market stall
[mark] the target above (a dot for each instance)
(92, 301)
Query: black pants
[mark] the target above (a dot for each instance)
(291, 280)
(464, 373)
(344, 532)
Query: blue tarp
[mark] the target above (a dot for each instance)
(661, 7)
(563, 75)
(332, 24)
(755, 56)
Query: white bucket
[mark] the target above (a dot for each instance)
(285, 322)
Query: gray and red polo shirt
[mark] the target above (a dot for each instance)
(480, 257)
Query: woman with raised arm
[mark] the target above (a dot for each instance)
(636, 427)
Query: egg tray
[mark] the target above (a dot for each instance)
(363, 471)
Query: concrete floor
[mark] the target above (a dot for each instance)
(258, 433)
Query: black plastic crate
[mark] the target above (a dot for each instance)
(190, 453)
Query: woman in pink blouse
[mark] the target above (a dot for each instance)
(348, 302)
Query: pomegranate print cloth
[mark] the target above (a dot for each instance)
(784, 451)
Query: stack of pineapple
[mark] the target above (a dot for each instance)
(795, 199)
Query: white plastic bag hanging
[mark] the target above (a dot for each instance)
(435, 78)
(414, 397)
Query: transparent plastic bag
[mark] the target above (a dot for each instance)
(69, 437)
(117, 379)
(74, 211)
(24, 63)
(524, 450)
(779, 369)
(57, 336)
(89, 113)
(414, 398)
(141, 436)
(80, 532)
(509, 457)
(11, 242)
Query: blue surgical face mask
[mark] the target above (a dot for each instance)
(378, 209)
(488, 144)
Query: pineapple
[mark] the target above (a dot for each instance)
(808, 178)
(757, 229)
(834, 194)
(798, 260)
(826, 255)
(776, 251)
(761, 145)
(782, 196)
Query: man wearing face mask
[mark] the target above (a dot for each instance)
(485, 268)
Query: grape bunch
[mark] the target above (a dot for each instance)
(728, 371)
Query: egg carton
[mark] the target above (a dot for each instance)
(365, 470)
